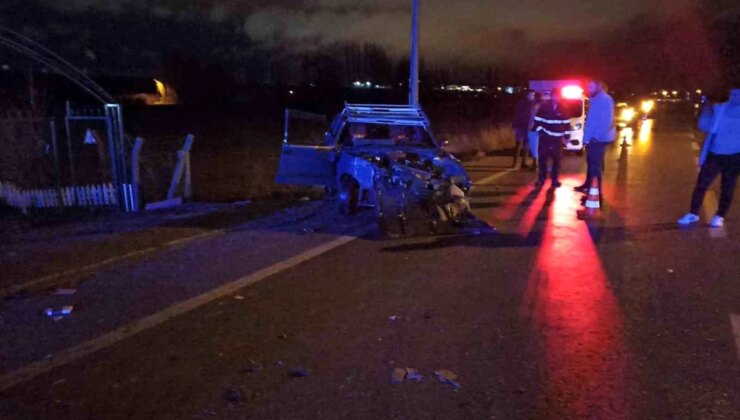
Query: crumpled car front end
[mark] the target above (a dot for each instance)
(418, 195)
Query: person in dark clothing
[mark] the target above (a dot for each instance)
(720, 155)
(522, 116)
(551, 125)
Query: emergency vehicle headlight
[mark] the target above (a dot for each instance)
(572, 92)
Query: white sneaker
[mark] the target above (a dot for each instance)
(688, 219)
(717, 222)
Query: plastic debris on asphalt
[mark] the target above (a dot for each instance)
(394, 318)
(64, 292)
(413, 375)
(408, 374)
(254, 367)
(57, 314)
(299, 373)
(233, 395)
(447, 377)
(398, 375)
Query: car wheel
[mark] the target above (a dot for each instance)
(349, 196)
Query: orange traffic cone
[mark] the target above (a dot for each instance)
(593, 203)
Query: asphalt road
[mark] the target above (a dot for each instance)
(304, 317)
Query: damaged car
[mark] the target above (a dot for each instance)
(384, 157)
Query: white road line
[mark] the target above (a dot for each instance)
(695, 146)
(492, 178)
(94, 266)
(71, 354)
(735, 324)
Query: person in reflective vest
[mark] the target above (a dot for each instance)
(551, 126)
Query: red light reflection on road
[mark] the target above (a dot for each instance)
(577, 316)
(507, 211)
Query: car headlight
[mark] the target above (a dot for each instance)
(647, 106)
(627, 114)
(577, 126)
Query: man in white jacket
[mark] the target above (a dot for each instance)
(598, 133)
(720, 155)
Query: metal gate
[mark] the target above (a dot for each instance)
(111, 117)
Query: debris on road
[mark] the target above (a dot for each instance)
(63, 292)
(398, 375)
(413, 375)
(254, 367)
(239, 297)
(57, 314)
(407, 374)
(304, 199)
(299, 373)
(394, 318)
(233, 394)
(670, 271)
(447, 377)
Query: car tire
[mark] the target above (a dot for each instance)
(349, 196)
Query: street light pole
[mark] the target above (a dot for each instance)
(414, 59)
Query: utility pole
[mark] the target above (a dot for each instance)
(414, 59)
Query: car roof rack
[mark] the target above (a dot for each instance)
(386, 114)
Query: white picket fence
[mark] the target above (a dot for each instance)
(101, 195)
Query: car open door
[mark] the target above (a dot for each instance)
(301, 163)
(306, 165)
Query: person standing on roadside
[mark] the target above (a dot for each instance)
(598, 133)
(522, 116)
(719, 155)
(551, 125)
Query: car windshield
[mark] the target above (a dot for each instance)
(572, 108)
(361, 134)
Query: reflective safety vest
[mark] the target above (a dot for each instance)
(550, 123)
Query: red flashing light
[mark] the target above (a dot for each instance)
(572, 92)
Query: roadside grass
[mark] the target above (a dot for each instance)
(466, 142)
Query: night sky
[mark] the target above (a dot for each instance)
(644, 42)
(472, 31)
